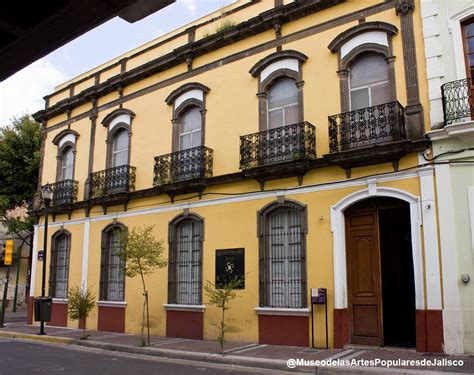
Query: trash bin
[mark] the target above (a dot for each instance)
(43, 306)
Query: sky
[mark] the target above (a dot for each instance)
(23, 92)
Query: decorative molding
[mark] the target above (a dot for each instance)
(60, 301)
(63, 134)
(464, 131)
(121, 304)
(177, 307)
(404, 7)
(281, 311)
(339, 242)
(175, 94)
(109, 119)
(275, 57)
(361, 28)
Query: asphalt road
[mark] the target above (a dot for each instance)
(27, 357)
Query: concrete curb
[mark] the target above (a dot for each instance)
(28, 336)
(190, 356)
(264, 363)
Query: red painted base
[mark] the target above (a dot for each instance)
(341, 327)
(111, 319)
(429, 331)
(30, 315)
(58, 315)
(283, 330)
(184, 324)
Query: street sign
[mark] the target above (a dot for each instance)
(230, 263)
(8, 252)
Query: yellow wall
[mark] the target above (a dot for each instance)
(232, 110)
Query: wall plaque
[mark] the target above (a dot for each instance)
(230, 263)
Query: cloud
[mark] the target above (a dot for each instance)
(190, 5)
(23, 92)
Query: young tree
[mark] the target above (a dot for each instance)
(142, 254)
(221, 296)
(80, 304)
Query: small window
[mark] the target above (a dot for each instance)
(468, 42)
(59, 266)
(67, 164)
(190, 133)
(112, 267)
(283, 105)
(120, 149)
(369, 82)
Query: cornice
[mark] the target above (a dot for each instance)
(258, 24)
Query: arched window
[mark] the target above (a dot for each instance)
(59, 265)
(185, 261)
(282, 228)
(112, 275)
(67, 164)
(369, 82)
(190, 128)
(283, 103)
(120, 148)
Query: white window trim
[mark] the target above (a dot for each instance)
(454, 26)
(282, 311)
(60, 301)
(122, 304)
(180, 307)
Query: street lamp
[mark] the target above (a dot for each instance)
(47, 194)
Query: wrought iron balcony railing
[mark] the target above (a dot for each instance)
(110, 181)
(183, 165)
(382, 123)
(458, 100)
(64, 192)
(286, 143)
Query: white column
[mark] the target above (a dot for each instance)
(452, 316)
(85, 253)
(430, 238)
(34, 261)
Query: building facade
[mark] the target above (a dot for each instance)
(448, 29)
(291, 130)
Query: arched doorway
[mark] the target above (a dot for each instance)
(380, 272)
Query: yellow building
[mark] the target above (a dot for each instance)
(290, 131)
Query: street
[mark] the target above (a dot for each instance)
(24, 357)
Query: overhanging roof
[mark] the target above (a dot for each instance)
(29, 31)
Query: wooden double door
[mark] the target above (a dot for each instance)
(380, 275)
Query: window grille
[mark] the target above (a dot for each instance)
(283, 261)
(185, 280)
(112, 268)
(59, 266)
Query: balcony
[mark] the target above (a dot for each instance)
(111, 181)
(280, 145)
(64, 192)
(364, 127)
(190, 164)
(458, 100)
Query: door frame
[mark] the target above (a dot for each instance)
(339, 241)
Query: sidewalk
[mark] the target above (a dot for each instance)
(242, 354)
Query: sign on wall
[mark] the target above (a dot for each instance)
(230, 263)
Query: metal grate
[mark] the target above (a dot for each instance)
(366, 126)
(185, 280)
(65, 192)
(112, 275)
(282, 144)
(59, 267)
(283, 263)
(109, 181)
(458, 100)
(183, 165)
